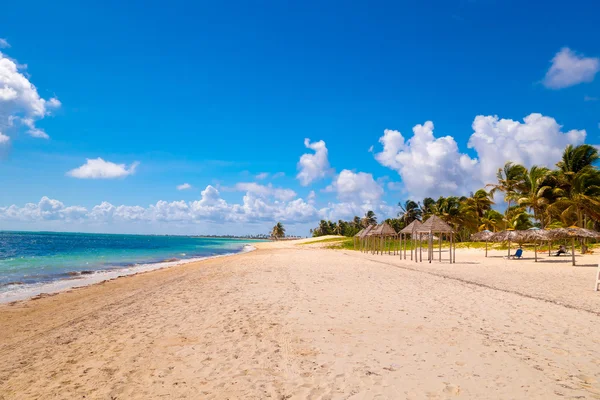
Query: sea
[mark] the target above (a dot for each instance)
(32, 263)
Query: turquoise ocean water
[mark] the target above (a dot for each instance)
(40, 262)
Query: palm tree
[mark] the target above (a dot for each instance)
(578, 158)
(492, 220)
(510, 181)
(369, 219)
(323, 228)
(409, 211)
(535, 188)
(278, 231)
(577, 182)
(518, 218)
(479, 202)
(579, 199)
(428, 208)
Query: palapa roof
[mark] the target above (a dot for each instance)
(359, 232)
(572, 232)
(412, 227)
(383, 229)
(483, 236)
(511, 235)
(366, 231)
(435, 224)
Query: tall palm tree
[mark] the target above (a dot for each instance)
(278, 231)
(580, 199)
(577, 183)
(409, 211)
(369, 219)
(492, 220)
(479, 202)
(428, 207)
(577, 158)
(534, 193)
(510, 182)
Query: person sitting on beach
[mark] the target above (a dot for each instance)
(561, 250)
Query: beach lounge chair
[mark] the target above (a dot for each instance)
(518, 254)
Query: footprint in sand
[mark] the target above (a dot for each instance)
(452, 390)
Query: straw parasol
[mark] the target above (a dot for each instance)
(410, 229)
(509, 235)
(357, 237)
(483, 236)
(573, 232)
(382, 231)
(363, 236)
(435, 224)
(533, 235)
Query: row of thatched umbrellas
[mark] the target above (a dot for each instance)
(379, 238)
(535, 236)
(375, 238)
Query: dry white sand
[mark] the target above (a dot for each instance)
(294, 322)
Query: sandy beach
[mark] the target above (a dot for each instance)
(302, 322)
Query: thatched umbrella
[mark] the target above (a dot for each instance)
(573, 232)
(533, 235)
(357, 237)
(509, 235)
(363, 238)
(483, 236)
(435, 224)
(410, 229)
(381, 233)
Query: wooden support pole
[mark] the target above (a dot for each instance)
(573, 251)
(440, 255)
(420, 247)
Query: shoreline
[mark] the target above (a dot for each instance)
(82, 280)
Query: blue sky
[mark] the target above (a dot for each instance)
(216, 94)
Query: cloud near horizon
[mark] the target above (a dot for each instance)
(99, 169)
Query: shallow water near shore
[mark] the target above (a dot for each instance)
(43, 262)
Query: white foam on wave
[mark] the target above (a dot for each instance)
(23, 292)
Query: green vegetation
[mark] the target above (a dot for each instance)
(328, 240)
(278, 231)
(541, 197)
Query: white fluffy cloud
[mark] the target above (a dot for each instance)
(358, 187)
(100, 169)
(209, 208)
(262, 175)
(431, 166)
(4, 44)
(3, 138)
(538, 140)
(20, 102)
(264, 190)
(184, 186)
(46, 209)
(569, 68)
(315, 166)
(358, 193)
